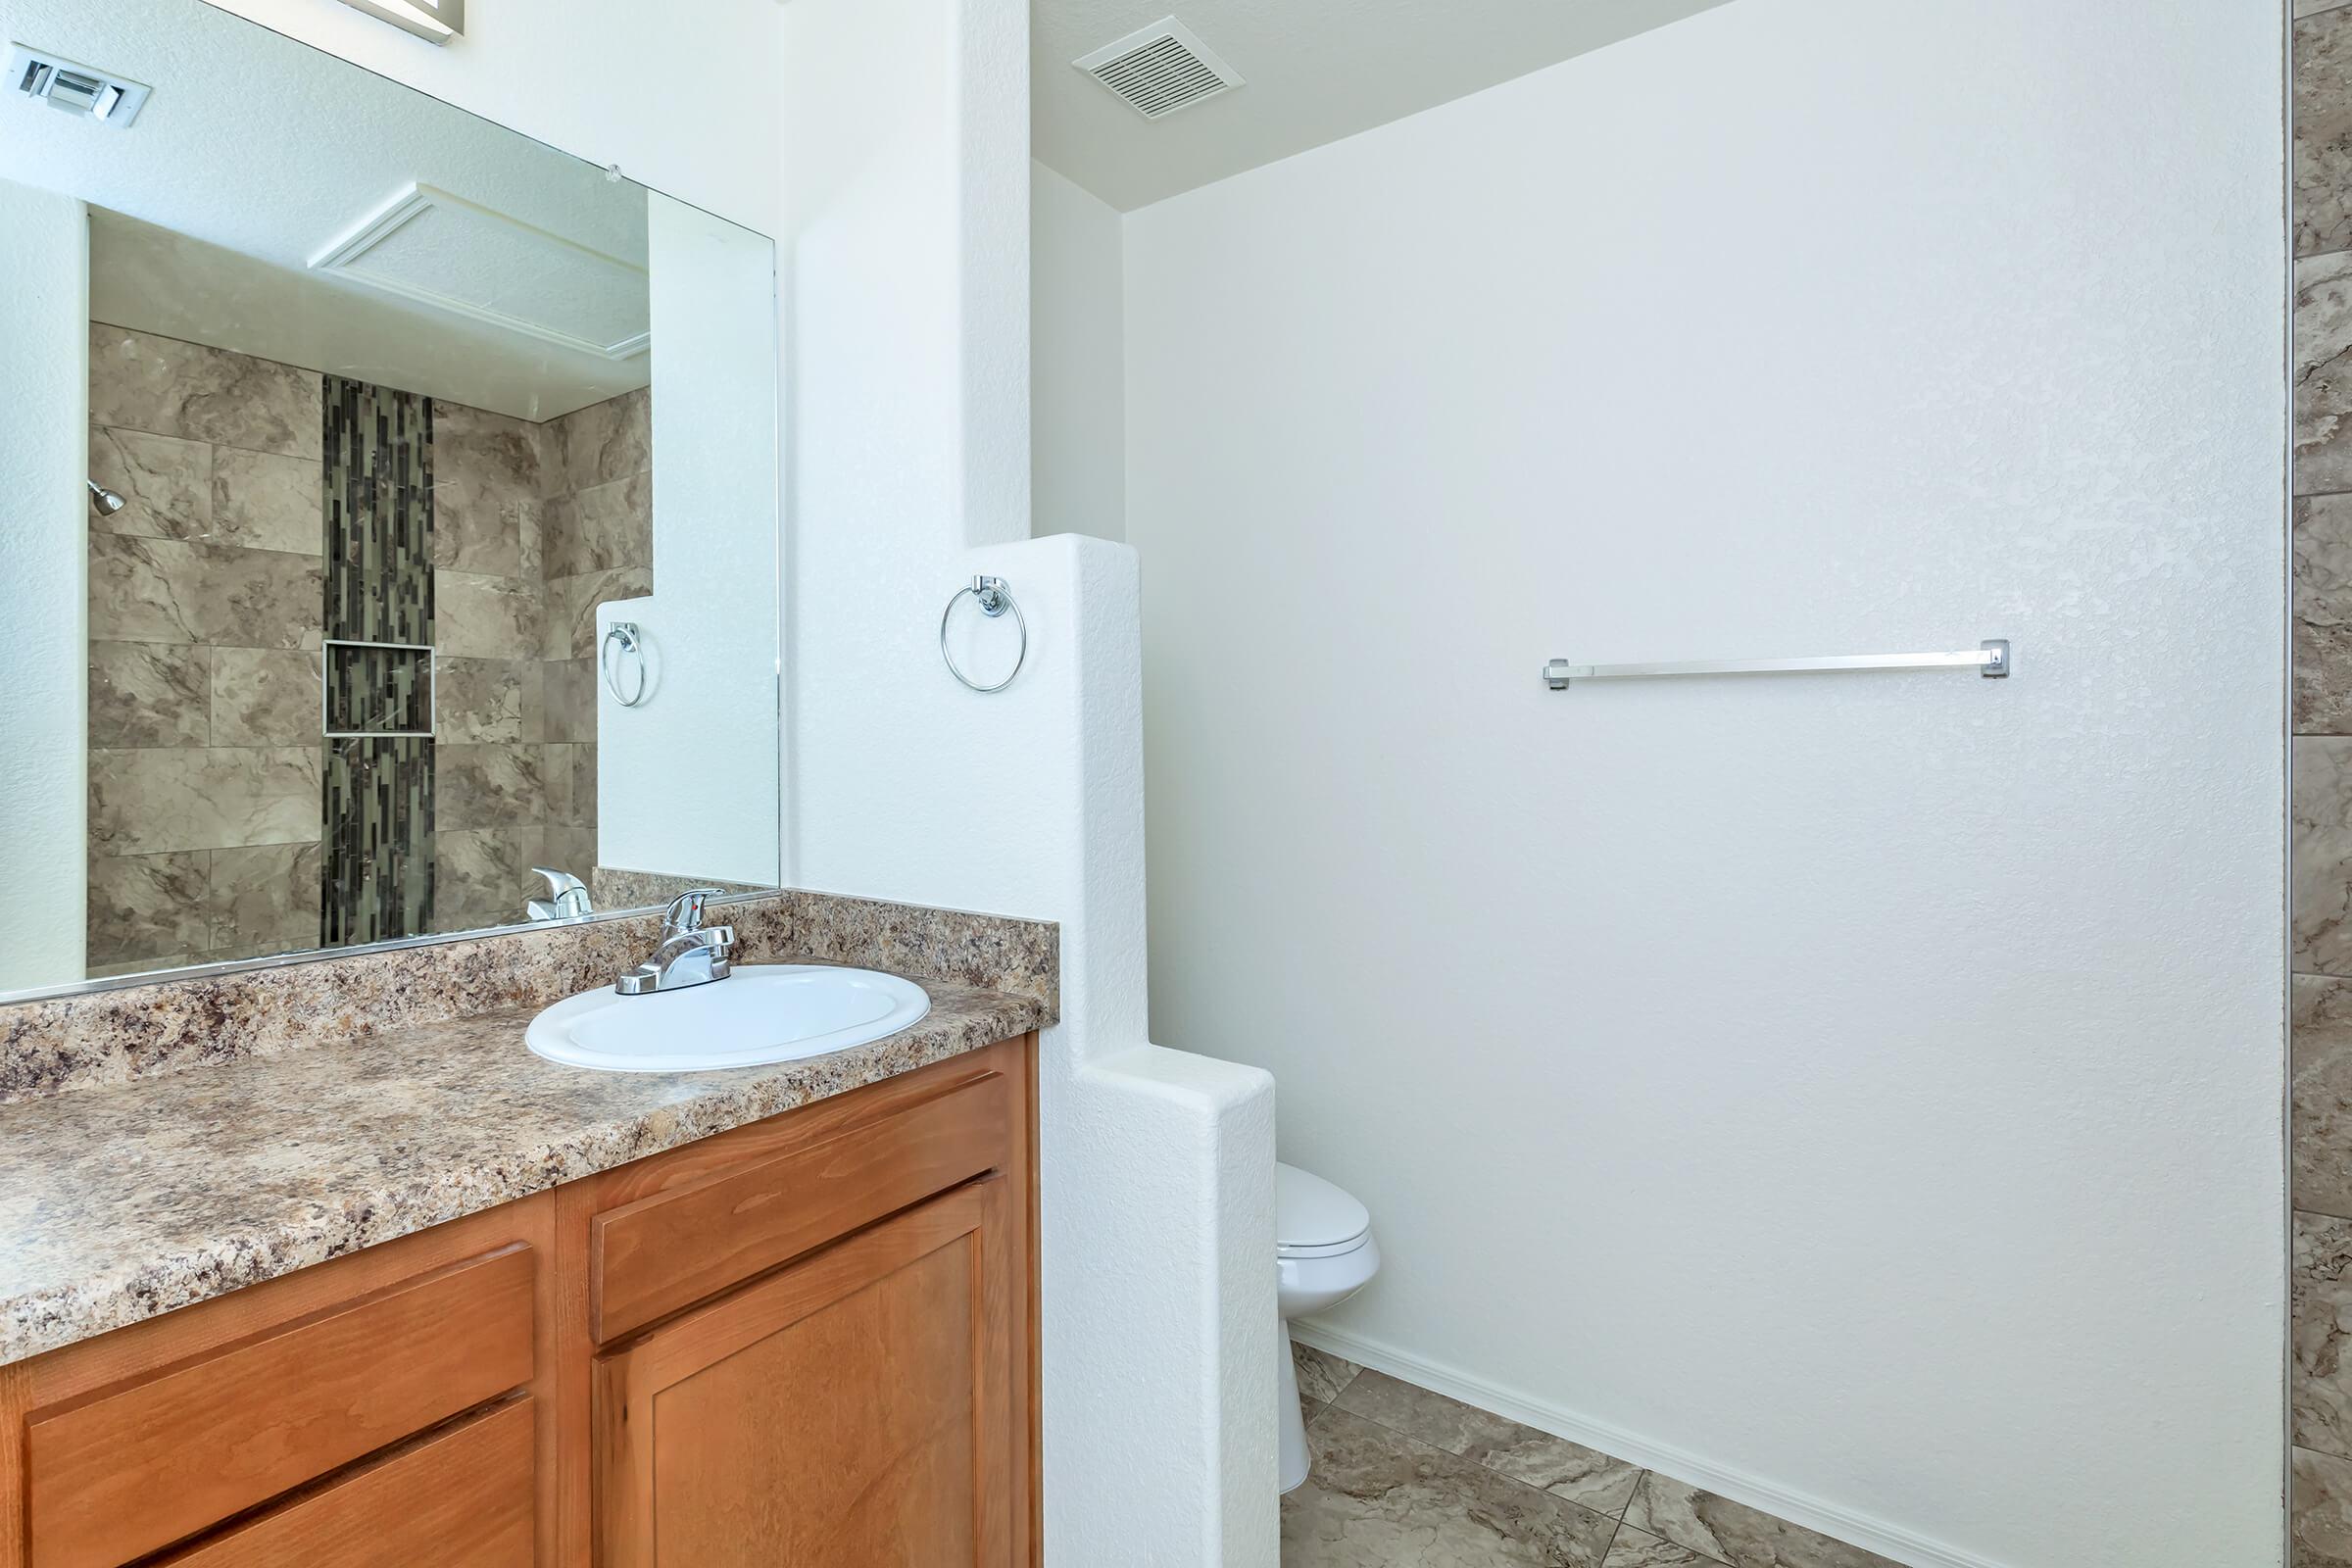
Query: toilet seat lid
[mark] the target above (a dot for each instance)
(1311, 1212)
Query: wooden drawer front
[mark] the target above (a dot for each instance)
(161, 1456)
(460, 1498)
(674, 1248)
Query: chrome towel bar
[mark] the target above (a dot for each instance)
(1989, 659)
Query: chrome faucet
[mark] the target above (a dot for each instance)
(567, 897)
(691, 953)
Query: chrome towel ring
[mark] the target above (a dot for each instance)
(632, 646)
(994, 599)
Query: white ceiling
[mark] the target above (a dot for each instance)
(257, 153)
(1316, 71)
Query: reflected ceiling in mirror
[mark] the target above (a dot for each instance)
(323, 567)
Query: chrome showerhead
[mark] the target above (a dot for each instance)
(106, 500)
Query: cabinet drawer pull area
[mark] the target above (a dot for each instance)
(154, 1459)
(673, 1249)
(460, 1498)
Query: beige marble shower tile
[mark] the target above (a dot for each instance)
(146, 591)
(2323, 121)
(570, 699)
(555, 768)
(573, 849)
(1563, 1468)
(130, 966)
(263, 501)
(572, 605)
(2323, 556)
(2322, 1036)
(146, 906)
(165, 484)
(2321, 1510)
(606, 441)
(487, 618)
(189, 798)
(600, 529)
(139, 381)
(2323, 348)
(265, 899)
(1637, 1549)
(580, 792)
(490, 698)
(1322, 1374)
(2322, 855)
(164, 591)
(488, 476)
(482, 876)
(488, 785)
(1375, 1499)
(149, 694)
(265, 697)
(1734, 1533)
(2321, 1385)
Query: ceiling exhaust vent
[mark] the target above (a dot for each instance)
(1159, 68)
(77, 89)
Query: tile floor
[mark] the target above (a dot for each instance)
(1404, 1478)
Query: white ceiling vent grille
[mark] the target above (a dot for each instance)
(60, 83)
(1161, 69)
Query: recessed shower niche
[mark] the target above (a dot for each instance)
(383, 440)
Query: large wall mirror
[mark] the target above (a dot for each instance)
(390, 544)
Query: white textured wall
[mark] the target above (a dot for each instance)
(1859, 1092)
(711, 725)
(1077, 366)
(905, 251)
(44, 453)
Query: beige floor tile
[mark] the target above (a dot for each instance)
(1639, 1549)
(1563, 1468)
(1375, 1499)
(1734, 1533)
(1322, 1374)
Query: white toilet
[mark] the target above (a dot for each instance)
(1323, 1253)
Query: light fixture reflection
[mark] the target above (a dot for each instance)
(435, 21)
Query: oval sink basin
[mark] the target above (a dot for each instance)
(761, 1013)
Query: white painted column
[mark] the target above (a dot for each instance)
(44, 455)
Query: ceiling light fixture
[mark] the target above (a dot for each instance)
(433, 20)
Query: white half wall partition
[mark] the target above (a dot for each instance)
(907, 288)
(1858, 1093)
(44, 558)
(711, 716)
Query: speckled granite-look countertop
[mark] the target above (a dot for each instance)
(163, 1144)
(121, 1202)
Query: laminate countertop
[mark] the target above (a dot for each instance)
(124, 1201)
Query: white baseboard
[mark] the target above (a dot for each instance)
(1842, 1524)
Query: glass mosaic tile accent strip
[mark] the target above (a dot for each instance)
(377, 873)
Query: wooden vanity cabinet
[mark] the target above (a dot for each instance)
(808, 1340)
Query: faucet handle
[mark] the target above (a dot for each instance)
(685, 911)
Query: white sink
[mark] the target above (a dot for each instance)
(761, 1013)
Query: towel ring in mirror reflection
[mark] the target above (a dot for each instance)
(632, 647)
(994, 600)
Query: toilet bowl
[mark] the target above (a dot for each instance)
(1323, 1253)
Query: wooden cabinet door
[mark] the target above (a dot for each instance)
(855, 1410)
